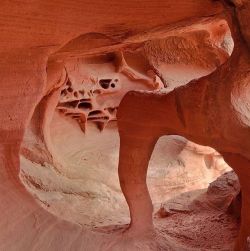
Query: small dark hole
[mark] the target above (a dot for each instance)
(96, 112)
(82, 92)
(68, 83)
(104, 83)
(84, 106)
(113, 85)
(70, 89)
(76, 94)
(64, 92)
(71, 104)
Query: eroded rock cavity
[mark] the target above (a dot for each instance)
(91, 109)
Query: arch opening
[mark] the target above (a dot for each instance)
(71, 161)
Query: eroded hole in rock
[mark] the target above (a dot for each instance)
(71, 165)
(95, 113)
(104, 83)
(85, 106)
(70, 104)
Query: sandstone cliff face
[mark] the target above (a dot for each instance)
(65, 69)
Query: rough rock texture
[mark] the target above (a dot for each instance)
(190, 222)
(210, 205)
(65, 67)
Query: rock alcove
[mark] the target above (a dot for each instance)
(92, 108)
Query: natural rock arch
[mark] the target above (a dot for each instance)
(24, 58)
(207, 111)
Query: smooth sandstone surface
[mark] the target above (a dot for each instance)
(65, 67)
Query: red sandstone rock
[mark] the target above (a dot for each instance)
(212, 111)
(150, 45)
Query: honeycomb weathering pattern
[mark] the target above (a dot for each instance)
(87, 97)
(86, 85)
(31, 31)
(79, 102)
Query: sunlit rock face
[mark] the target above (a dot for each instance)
(75, 86)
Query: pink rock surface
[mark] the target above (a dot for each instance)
(65, 67)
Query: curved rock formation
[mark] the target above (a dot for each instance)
(68, 65)
(211, 111)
